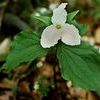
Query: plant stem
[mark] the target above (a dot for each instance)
(54, 69)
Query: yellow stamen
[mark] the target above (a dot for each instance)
(58, 26)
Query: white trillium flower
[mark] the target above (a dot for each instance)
(60, 30)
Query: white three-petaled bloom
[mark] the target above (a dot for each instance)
(68, 34)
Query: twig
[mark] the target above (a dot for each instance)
(54, 69)
(14, 20)
(5, 5)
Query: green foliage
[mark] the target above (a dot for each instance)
(71, 15)
(82, 27)
(96, 13)
(44, 85)
(44, 19)
(81, 65)
(26, 47)
(95, 1)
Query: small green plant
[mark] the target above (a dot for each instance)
(78, 61)
(42, 84)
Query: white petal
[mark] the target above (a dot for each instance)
(59, 14)
(62, 5)
(50, 36)
(70, 35)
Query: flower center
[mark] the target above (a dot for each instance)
(58, 26)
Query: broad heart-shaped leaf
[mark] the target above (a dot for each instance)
(44, 19)
(81, 65)
(26, 47)
(71, 15)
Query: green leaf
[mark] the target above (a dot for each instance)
(95, 1)
(81, 65)
(95, 13)
(44, 19)
(71, 15)
(83, 28)
(26, 47)
(44, 85)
